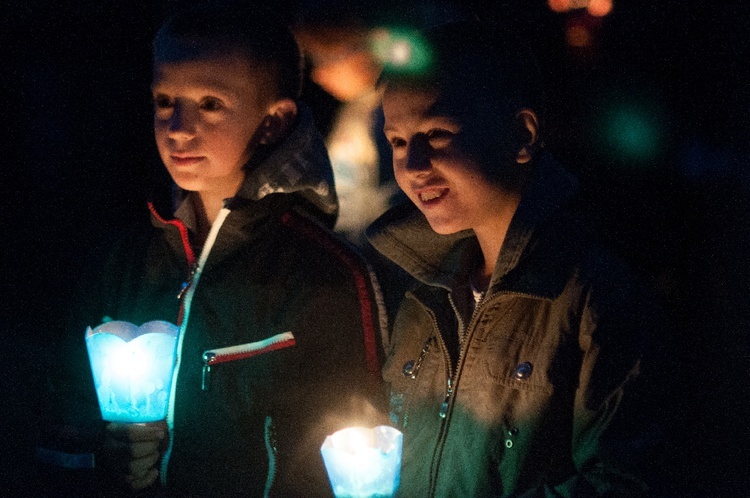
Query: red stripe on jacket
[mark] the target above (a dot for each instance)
(189, 254)
(360, 274)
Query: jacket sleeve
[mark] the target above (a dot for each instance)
(337, 322)
(617, 441)
(70, 425)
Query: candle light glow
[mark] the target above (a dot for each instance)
(363, 462)
(132, 368)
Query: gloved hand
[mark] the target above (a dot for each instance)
(131, 453)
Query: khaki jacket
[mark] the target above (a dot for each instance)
(535, 392)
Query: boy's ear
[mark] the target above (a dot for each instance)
(527, 126)
(278, 121)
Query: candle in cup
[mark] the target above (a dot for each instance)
(363, 462)
(132, 368)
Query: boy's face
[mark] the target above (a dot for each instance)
(207, 113)
(441, 153)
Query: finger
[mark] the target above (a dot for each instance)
(145, 432)
(114, 455)
(114, 444)
(142, 449)
(137, 432)
(138, 483)
(140, 467)
(117, 431)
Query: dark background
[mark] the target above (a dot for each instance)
(652, 116)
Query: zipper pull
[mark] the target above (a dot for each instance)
(186, 284)
(448, 393)
(183, 288)
(208, 359)
(411, 368)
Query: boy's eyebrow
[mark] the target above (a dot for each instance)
(206, 87)
(210, 90)
(429, 119)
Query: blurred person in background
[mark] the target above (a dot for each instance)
(338, 39)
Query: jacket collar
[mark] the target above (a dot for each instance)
(403, 234)
(299, 165)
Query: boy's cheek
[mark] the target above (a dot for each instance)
(400, 175)
(160, 136)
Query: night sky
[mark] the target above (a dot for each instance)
(653, 115)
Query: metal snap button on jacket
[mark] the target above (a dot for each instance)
(523, 371)
(409, 369)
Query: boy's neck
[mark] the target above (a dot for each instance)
(491, 237)
(490, 247)
(206, 211)
(212, 201)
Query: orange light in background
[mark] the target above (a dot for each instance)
(578, 36)
(559, 5)
(599, 8)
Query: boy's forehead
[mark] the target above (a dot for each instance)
(172, 48)
(428, 98)
(398, 97)
(224, 73)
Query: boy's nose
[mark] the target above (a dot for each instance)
(418, 155)
(182, 123)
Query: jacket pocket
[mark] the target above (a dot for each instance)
(403, 373)
(214, 357)
(517, 364)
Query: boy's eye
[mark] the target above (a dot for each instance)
(211, 104)
(162, 102)
(396, 142)
(438, 136)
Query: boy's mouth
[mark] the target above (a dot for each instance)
(431, 195)
(179, 160)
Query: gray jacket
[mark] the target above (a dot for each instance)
(248, 424)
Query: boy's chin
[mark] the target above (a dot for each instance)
(186, 184)
(444, 228)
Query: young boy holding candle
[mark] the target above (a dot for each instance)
(248, 256)
(517, 364)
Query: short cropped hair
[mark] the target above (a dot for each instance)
(490, 61)
(220, 28)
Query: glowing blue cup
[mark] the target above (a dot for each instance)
(132, 368)
(363, 462)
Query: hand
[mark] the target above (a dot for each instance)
(131, 452)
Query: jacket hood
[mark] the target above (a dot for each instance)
(404, 235)
(299, 164)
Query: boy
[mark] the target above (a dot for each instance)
(514, 363)
(251, 256)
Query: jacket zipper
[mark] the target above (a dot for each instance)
(232, 353)
(451, 382)
(451, 379)
(269, 437)
(446, 400)
(188, 282)
(186, 295)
